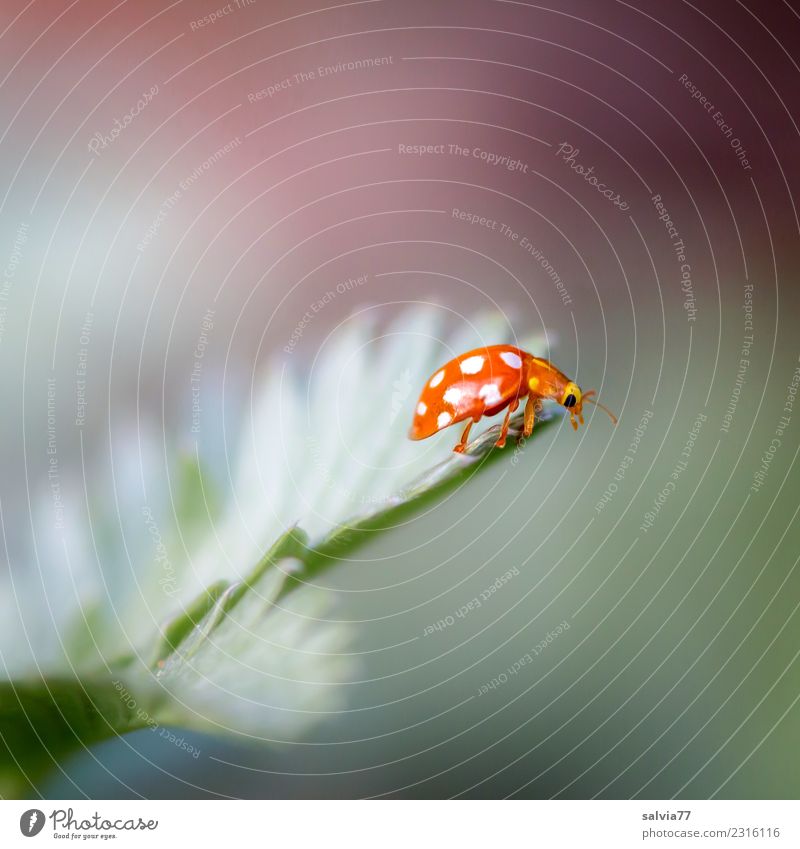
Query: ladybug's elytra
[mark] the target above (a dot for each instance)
(487, 380)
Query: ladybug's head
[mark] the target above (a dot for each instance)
(573, 399)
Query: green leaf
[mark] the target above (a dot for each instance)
(218, 661)
(256, 651)
(257, 667)
(186, 631)
(421, 493)
(185, 635)
(177, 630)
(194, 495)
(42, 721)
(257, 632)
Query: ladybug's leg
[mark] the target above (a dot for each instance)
(530, 416)
(532, 407)
(504, 430)
(459, 449)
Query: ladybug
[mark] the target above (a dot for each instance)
(487, 380)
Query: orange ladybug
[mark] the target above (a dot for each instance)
(487, 380)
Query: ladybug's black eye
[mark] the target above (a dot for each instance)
(570, 401)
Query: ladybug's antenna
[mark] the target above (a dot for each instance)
(587, 396)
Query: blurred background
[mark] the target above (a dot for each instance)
(196, 195)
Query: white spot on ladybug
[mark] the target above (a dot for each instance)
(490, 394)
(511, 359)
(444, 419)
(422, 408)
(453, 395)
(437, 378)
(472, 365)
